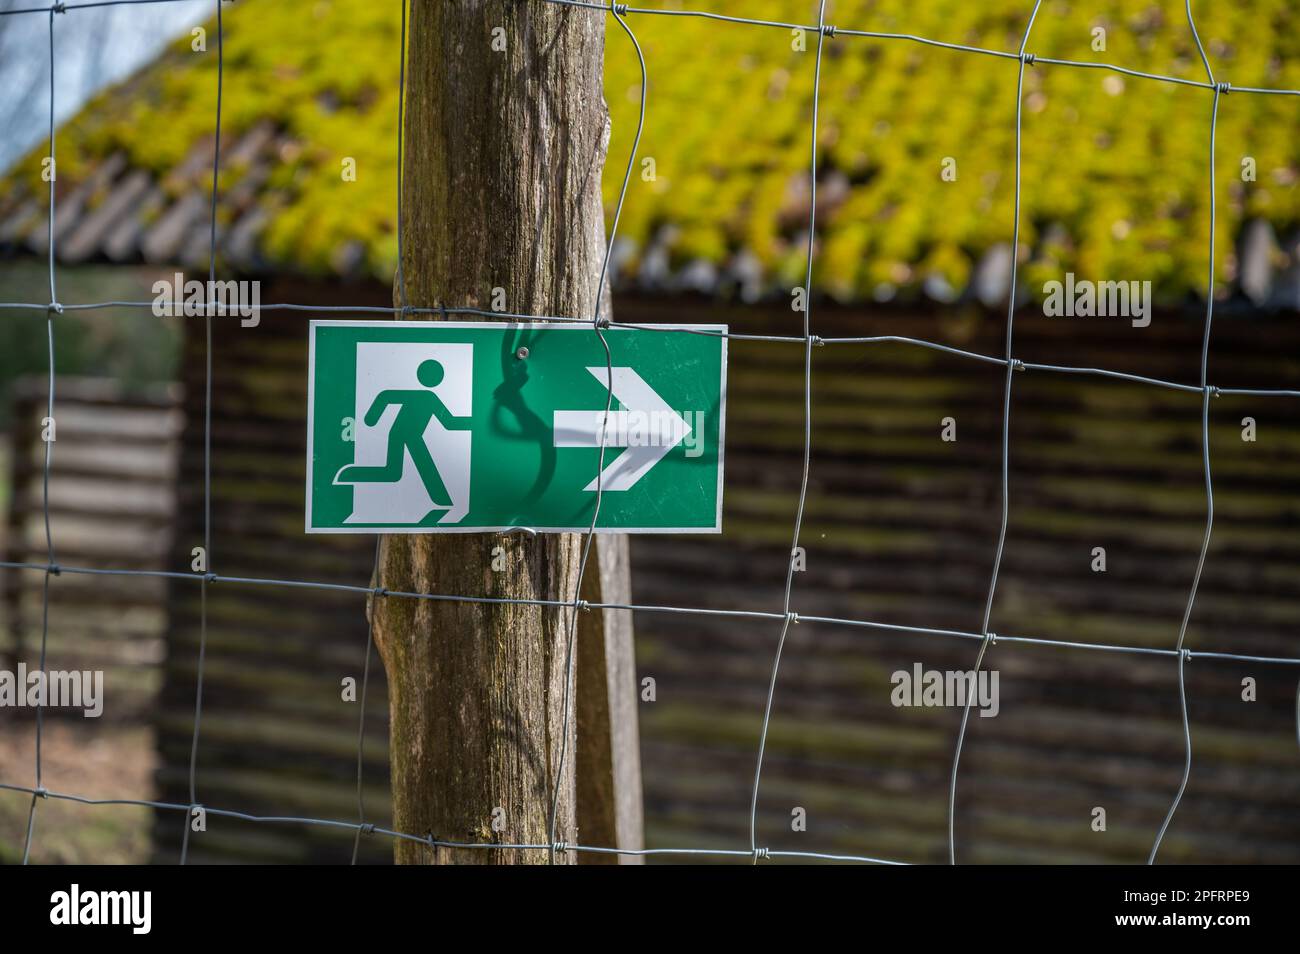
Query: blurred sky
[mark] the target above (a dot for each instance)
(93, 48)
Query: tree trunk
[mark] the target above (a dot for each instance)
(504, 150)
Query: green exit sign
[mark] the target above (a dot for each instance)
(455, 427)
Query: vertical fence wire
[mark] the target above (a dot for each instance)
(823, 31)
(207, 458)
(1025, 60)
(598, 324)
(371, 609)
(48, 433)
(1206, 393)
(376, 574)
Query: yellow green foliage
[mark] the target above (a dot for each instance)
(1120, 164)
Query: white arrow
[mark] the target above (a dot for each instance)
(646, 426)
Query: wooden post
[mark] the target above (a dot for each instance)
(609, 747)
(505, 135)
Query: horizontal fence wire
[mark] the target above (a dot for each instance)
(817, 340)
(587, 605)
(786, 616)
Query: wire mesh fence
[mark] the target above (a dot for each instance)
(782, 617)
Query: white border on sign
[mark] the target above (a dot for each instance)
(720, 330)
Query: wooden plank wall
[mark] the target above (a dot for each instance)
(900, 528)
(111, 506)
(277, 737)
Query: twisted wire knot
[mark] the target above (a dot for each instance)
(762, 854)
(560, 846)
(368, 828)
(209, 577)
(1027, 59)
(59, 8)
(620, 9)
(54, 569)
(793, 618)
(54, 308)
(602, 322)
(1224, 87)
(828, 31)
(380, 591)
